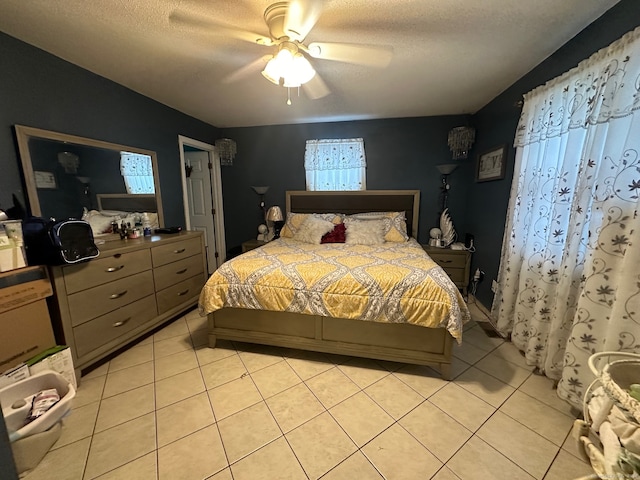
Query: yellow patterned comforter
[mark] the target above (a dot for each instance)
(391, 282)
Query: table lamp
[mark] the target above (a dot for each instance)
(275, 222)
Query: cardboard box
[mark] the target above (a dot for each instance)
(14, 375)
(58, 359)
(22, 286)
(24, 332)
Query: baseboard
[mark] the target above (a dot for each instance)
(481, 307)
(489, 326)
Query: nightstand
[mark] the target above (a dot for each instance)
(456, 263)
(251, 244)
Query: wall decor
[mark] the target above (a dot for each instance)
(45, 179)
(491, 164)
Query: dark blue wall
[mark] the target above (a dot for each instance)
(496, 124)
(43, 91)
(40, 90)
(401, 154)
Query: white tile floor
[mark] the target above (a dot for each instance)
(172, 408)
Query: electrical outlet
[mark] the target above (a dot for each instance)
(494, 286)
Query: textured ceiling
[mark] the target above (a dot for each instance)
(449, 57)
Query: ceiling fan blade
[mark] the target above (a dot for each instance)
(301, 16)
(248, 70)
(316, 88)
(217, 28)
(368, 55)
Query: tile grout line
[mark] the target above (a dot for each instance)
(264, 400)
(359, 449)
(215, 418)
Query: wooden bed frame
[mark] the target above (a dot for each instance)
(385, 341)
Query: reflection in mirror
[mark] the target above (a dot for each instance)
(66, 175)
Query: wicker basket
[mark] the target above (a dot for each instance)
(616, 375)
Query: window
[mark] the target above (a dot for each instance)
(137, 171)
(335, 164)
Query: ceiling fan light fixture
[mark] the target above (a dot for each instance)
(278, 66)
(289, 66)
(300, 72)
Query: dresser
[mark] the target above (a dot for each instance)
(456, 263)
(133, 287)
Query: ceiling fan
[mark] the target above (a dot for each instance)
(288, 64)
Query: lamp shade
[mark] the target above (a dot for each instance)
(260, 190)
(274, 214)
(446, 168)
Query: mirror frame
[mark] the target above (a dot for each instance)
(24, 134)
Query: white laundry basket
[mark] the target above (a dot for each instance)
(31, 442)
(16, 403)
(615, 372)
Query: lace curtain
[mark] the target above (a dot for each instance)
(569, 282)
(335, 164)
(137, 171)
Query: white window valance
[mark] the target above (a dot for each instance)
(137, 170)
(335, 164)
(601, 88)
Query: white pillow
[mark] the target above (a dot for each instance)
(364, 232)
(312, 230)
(99, 224)
(395, 224)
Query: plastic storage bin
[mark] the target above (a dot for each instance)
(16, 403)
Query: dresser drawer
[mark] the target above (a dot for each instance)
(99, 300)
(456, 274)
(180, 292)
(91, 335)
(175, 272)
(164, 254)
(449, 260)
(105, 269)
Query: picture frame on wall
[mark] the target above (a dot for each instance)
(491, 164)
(45, 179)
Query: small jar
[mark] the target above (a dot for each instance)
(133, 233)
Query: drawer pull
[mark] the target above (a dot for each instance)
(114, 269)
(121, 322)
(179, 251)
(184, 292)
(446, 261)
(113, 296)
(180, 272)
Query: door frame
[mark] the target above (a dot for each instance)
(216, 193)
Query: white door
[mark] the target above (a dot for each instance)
(203, 197)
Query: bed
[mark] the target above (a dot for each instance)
(121, 207)
(299, 299)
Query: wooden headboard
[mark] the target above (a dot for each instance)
(124, 202)
(358, 202)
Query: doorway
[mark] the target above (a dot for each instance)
(202, 196)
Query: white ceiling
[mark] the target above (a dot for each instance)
(450, 56)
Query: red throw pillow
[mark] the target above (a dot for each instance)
(337, 235)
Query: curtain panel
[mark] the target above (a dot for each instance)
(569, 279)
(335, 164)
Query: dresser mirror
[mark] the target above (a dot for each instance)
(65, 175)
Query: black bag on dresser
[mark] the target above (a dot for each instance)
(51, 242)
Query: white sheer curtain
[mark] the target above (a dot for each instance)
(335, 164)
(569, 280)
(137, 171)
